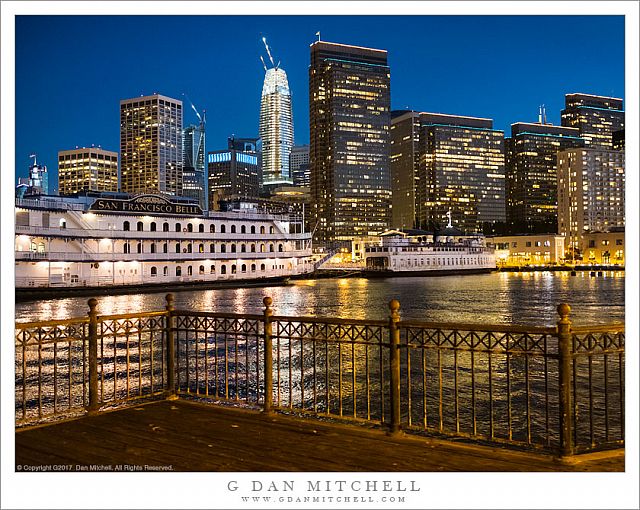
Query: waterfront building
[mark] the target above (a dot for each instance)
(349, 93)
(276, 128)
(103, 240)
(232, 173)
(87, 169)
(532, 184)
(151, 145)
(596, 117)
(193, 157)
(299, 165)
(441, 163)
(528, 249)
(617, 140)
(591, 186)
(605, 248)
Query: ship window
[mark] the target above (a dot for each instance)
(233, 229)
(244, 268)
(189, 248)
(213, 269)
(201, 248)
(262, 230)
(212, 248)
(262, 248)
(153, 247)
(233, 269)
(243, 229)
(233, 248)
(223, 269)
(253, 268)
(154, 271)
(127, 248)
(201, 227)
(152, 226)
(140, 226)
(201, 270)
(212, 228)
(253, 229)
(243, 248)
(280, 247)
(271, 230)
(178, 271)
(223, 229)
(165, 227)
(140, 248)
(271, 248)
(165, 271)
(261, 267)
(125, 226)
(189, 227)
(253, 248)
(178, 227)
(165, 248)
(177, 247)
(189, 271)
(223, 248)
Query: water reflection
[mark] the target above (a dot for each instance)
(519, 298)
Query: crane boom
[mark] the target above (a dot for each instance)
(264, 40)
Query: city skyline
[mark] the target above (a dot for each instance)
(502, 96)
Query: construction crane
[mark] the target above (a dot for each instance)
(264, 40)
(202, 119)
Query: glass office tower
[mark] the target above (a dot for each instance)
(532, 185)
(276, 128)
(349, 96)
(193, 154)
(151, 145)
(596, 117)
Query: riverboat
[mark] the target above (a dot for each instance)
(418, 252)
(118, 240)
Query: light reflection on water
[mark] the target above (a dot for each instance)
(518, 298)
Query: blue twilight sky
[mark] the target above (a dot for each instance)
(72, 71)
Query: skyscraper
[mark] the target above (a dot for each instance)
(596, 117)
(276, 128)
(349, 96)
(299, 165)
(151, 145)
(532, 185)
(453, 163)
(193, 154)
(87, 169)
(591, 185)
(38, 178)
(232, 173)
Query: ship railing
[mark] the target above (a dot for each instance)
(552, 388)
(48, 204)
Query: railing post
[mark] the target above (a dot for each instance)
(564, 374)
(394, 340)
(171, 350)
(268, 356)
(94, 404)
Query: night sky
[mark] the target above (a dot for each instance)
(72, 71)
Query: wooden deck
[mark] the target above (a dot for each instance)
(188, 436)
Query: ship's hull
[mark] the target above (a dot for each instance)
(432, 272)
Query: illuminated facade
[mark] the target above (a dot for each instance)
(461, 169)
(151, 145)
(404, 162)
(596, 117)
(349, 141)
(232, 173)
(605, 248)
(591, 184)
(529, 250)
(87, 169)
(532, 184)
(299, 165)
(193, 155)
(276, 128)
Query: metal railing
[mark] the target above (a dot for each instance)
(558, 388)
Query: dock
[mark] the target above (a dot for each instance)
(182, 435)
